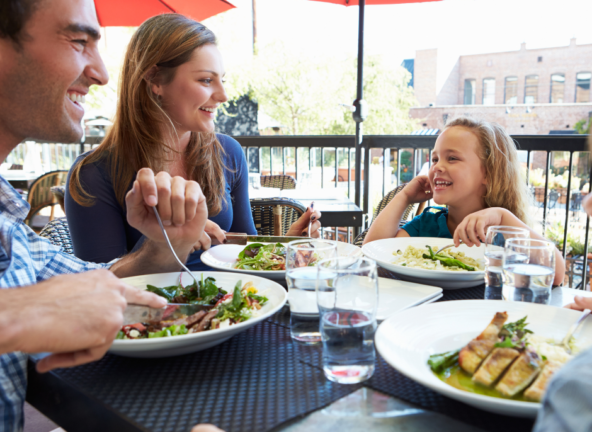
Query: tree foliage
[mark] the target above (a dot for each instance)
(306, 95)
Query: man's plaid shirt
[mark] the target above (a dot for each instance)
(25, 258)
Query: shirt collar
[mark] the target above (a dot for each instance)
(443, 231)
(11, 201)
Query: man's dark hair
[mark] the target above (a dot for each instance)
(14, 14)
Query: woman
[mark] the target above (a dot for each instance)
(171, 85)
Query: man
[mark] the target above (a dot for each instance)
(48, 61)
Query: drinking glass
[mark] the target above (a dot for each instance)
(347, 296)
(495, 241)
(529, 270)
(302, 258)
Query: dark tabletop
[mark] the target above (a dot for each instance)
(256, 381)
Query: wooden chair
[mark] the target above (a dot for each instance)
(58, 233)
(40, 195)
(274, 216)
(411, 211)
(280, 181)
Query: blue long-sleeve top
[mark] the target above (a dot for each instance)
(101, 232)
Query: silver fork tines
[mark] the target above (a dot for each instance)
(166, 237)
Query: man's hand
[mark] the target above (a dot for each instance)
(75, 317)
(181, 205)
(580, 303)
(300, 227)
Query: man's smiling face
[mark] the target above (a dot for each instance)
(43, 82)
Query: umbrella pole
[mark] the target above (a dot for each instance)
(359, 114)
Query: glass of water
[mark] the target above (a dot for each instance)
(347, 296)
(529, 270)
(494, 253)
(302, 259)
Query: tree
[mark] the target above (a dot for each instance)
(306, 95)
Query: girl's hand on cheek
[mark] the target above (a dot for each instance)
(473, 228)
(588, 204)
(418, 190)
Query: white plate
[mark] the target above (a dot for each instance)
(393, 296)
(382, 252)
(177, 345)
(408, 338)
(223, 257)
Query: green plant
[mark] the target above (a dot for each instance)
(575, 242)
(583, 126)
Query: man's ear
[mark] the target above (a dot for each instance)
(151, 78)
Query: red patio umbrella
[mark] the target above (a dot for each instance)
(132, 13)
(359, 113)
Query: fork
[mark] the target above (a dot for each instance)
(565, 342)
(445, 247)
(166, 237)
(310, 220)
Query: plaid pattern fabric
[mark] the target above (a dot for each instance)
(25, 259)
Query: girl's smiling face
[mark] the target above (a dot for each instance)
(196, 91)
(457, 176)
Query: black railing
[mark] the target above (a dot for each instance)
(387, 146)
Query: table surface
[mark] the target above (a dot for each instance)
(64, 396)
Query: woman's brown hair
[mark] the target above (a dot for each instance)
(136, 140)
(506, 186)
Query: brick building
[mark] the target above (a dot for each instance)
(529, 91)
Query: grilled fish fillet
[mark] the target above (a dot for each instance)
(536, 391)
(522, 372)
(471, 356)
(494, 365)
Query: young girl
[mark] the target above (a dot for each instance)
(171, 85)
(476, 173)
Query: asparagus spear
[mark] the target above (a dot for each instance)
(447, 261)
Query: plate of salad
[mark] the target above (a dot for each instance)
(226, 304)
(260, 259)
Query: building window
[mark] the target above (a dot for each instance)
(489, 91)
(511, 91)
(469, 92)
(531, 89)
(557, 88)
(583, 87)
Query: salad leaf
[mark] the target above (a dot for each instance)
(259, 256)
(163, 292)
(174, 330)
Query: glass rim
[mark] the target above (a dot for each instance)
(506, 229)
(533, 243)
(329, 244)
(371, 262)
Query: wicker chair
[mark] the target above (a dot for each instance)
(40, 195)
(263, 214)
(281, 181)
(409, 211)
(58, 233)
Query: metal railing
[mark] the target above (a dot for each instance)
(301, 154)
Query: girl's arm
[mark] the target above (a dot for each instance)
(387, 222)
(473, 228)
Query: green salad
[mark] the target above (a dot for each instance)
(258, 256)
(220, 310)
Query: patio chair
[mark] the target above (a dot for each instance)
(281, 181)
(274, 216)
(58, 233)
(411, 211)
(40, 195)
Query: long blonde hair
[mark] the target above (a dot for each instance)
(506, 186)
(136, 138)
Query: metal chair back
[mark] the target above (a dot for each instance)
(263, 214)
(58, 233)
(412, 210)
(40, 195)
(281, 181)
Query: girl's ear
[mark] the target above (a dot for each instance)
(152, 80)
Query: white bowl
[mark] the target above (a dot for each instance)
(408, 338)
(382, 252)
(223, 257)
(177, 345)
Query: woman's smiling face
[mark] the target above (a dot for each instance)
(195, 92)
(457, 175)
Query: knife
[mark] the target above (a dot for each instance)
(243, 239)
(143, 314)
